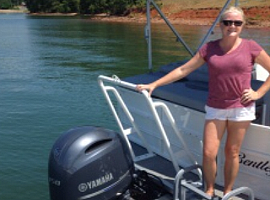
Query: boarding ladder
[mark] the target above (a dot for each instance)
(184, 186)
(153, 108)
(109, 86)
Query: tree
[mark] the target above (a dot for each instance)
(34, 6)
(8, 4)
(5, 4)
(53, 6)
(114, 7)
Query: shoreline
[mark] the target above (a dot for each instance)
(178, 21)
(256, 17)
(19, 9)
(203, 17)
(11, 11)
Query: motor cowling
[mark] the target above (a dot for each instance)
(90, 163)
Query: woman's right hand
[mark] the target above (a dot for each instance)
(149, 87)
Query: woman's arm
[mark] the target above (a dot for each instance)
(177, 74)
(262, 59)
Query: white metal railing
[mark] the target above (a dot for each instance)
(111, 87)
(125, 132)
(197, 187)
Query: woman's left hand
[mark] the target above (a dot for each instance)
(249, 95)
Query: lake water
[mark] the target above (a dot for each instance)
(48, 84)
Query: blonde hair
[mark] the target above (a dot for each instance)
(233, 9)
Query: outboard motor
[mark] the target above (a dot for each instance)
(89, 163)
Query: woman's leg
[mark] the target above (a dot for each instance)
(235, 135)
(213, 132)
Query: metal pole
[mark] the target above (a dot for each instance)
(179, 38)
(148, 34)
(214, 24)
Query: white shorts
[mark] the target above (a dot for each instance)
(232, 114)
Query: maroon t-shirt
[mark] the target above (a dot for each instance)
(229, 74)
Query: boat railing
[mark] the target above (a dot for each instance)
(242, 190)
(185, 186)
(110, 86)
(148, 37)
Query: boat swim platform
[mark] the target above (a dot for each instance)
(163, 169)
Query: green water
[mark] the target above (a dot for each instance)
(48, 84)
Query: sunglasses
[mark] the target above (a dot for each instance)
(231, 22)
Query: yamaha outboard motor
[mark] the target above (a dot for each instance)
(89, 163)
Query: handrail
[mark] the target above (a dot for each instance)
(182, 184)
(174, 126)
(241, 190)
(152, 105)
(105, 90)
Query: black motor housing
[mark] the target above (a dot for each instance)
(89, 163)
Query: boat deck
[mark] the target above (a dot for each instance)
(163, 169)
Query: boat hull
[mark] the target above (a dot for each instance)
(255, 152)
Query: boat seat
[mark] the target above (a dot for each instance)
(201, 74)
(192, 93)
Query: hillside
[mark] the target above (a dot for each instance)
(176, 5)
(203, 12)
(199, 12)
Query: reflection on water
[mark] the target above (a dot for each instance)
(48, 75)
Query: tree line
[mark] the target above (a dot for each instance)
(114, 7)
(8, 4)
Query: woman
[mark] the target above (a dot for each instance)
(230, 105)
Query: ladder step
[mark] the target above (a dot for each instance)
(195, 190)
(144, 157)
